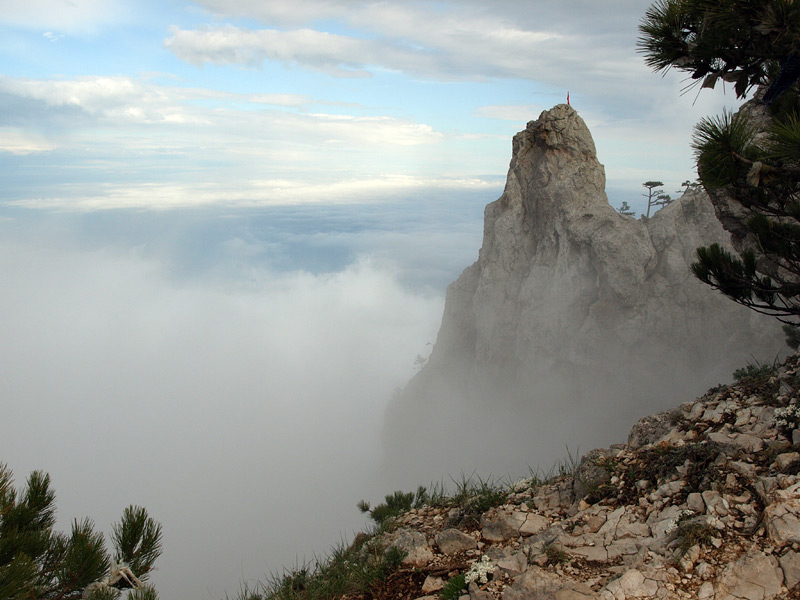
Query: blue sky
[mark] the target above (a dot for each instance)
(244, 102)
(226, 230)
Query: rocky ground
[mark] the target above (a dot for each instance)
(702, 502)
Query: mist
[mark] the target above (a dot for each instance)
(233, 384)
(236, 372)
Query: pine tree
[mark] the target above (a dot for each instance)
(688, 186)
(744, 42)
(753, 156)
(655, 197)
(38, 563)
(625, 209)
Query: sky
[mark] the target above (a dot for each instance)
(161, 104)
(226, 230)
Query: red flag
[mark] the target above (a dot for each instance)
(568, 99)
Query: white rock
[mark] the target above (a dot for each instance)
(705, 591)
(451, 541)
(784, 460)
(694, 502)
(633, 584)
(500, 524)
(534, 524)
(432, 584)
(564, 291)
(715, 503)
(783, 521)
(418, 552)
(754, 576)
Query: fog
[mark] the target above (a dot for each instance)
(228, 372)
(232, 371)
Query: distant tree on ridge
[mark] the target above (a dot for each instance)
(625, 209)
(655, 197)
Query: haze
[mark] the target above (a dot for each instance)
(226, 229)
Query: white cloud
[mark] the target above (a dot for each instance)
(73, 16)
(582, 46)
(521, 113)
(114, 99)
(19, 141)
(336, 54)
(462, 50)
(610, 16)
(121, 100)
(252, 193)
(282, 12)
(295, 100)
(588, 48)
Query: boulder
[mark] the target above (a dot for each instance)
(452, 541)
(754, 576)
(414, 544)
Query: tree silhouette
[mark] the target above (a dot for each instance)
(655, 197)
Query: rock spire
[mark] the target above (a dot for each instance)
(574, 321)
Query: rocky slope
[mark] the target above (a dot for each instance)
(703, 501)
(574, 320)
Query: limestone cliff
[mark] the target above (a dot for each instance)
(574, 321)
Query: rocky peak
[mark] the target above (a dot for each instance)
(557, 144)
(573, 321)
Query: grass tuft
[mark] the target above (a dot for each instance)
(354, 569)
(755, 373)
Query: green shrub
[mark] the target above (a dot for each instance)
(354, 569)
(755, 372)
(453, 588)
(473, 497)
(395, 505)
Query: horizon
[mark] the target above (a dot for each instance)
(239, 103)
(227, 228)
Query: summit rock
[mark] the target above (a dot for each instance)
(574, 321)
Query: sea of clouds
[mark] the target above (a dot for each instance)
(228, 370)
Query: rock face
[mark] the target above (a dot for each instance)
(574, 321)
(687, 512)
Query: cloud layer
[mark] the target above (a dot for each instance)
(239, 101)
(244, 410)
